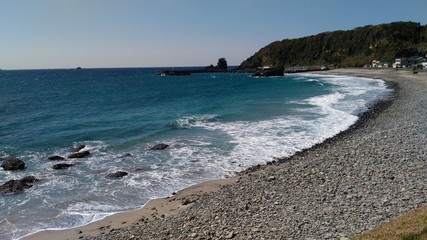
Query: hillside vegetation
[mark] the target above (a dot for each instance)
(352, 48)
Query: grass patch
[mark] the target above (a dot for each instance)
(411, 226)
(416, 236)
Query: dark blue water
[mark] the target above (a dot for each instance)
(215, 123)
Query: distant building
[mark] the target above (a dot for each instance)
(400, 63)
(384, 64)
(421, 60)
(407, 62)
(375, 63)
(379, 64)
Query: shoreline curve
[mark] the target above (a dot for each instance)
(256, 190)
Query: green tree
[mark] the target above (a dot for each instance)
(352, 48)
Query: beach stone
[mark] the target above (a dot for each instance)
(16, 186)
(56, 158)
(230, 235)
(118, 174)
(81, 154)
(159, 146)
(271, 178)
(13, 164)
(62, 166)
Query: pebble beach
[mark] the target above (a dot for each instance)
(366, 176)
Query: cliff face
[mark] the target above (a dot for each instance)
(352, 48)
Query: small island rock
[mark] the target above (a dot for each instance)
(13, 164)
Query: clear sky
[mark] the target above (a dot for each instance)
(150, 33)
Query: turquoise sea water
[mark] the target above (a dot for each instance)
(215, 123)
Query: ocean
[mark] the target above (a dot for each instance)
(216, 124)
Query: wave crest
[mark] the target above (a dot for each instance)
(194, 121)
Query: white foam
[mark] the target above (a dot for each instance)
(193, 120)
(259, 141)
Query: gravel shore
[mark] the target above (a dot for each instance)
(364, 177)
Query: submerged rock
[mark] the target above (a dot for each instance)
(56, 158)
(159, 146)
(78, 149)
(16, 186)
(81, 154)
(13, 164)
(62, 166)
(127, 155)
(118, 174)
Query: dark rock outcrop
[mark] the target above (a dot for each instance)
(269, 72)
(62, 166)
(81, 154)
(118, 174)
(77, 149)
(159, 146)
(127, 155)
(56, 158)
(175, 73)
(13, 164)
(16, 186)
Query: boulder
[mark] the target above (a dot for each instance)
(12, 164)
(29, 179)
(56, 158)
(118, 174)
(62, 166)
(16, 186)
(81, 154)
(159, 146)
(77, 149)
(127, 155)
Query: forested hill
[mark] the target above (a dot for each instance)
(352, 48)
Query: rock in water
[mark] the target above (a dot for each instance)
(16, 186)
(159, 146)
(12, 164)
(118, 174)
(77, 149)
(29, 179)
(81, 154)
(56, 158)
(62, 166)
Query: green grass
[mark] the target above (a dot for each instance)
(411, 226)
(416, 236)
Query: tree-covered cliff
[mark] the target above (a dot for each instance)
(352, 48)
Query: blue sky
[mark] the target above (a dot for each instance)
(150, 33)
